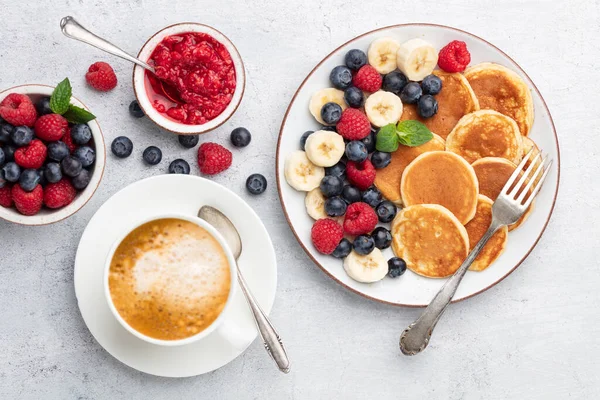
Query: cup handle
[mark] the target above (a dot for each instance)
(232, 333)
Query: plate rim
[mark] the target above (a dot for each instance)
(301, 86)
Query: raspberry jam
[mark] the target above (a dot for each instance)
(200, 72)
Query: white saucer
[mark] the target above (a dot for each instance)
(154, 196)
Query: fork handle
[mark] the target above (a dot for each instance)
(416, 337)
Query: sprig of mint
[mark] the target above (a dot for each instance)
(60, 103)
(407, 133)
(387, 139)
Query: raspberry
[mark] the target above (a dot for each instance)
(17, 109)
(362, 175)
(51, 127)
(360, 219)
(353, 124)
(454, 57)
(68, 140)
(59, 194)
(101, 77)
(31, 156)
(213, 158)
(6, 197)
(326, 234)
(28, 203)
(368, 79)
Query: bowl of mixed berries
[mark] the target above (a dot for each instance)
(52, 154)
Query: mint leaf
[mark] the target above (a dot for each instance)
(78, 115)
(387, 139)
(61, 97)
(413, 133)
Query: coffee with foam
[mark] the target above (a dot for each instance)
(169, 279)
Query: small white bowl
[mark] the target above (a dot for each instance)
(47, 216)
(161, 120)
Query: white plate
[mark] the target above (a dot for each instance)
(411, 289)
(154, 196)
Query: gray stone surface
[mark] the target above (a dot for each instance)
(534, 336)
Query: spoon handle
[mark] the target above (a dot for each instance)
(271, 339)
(72, 29)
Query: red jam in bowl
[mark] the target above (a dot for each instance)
(197, 74)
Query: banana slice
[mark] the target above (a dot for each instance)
(323, 96)
(300, 173)
(383, 108)
(315, 204)
(382, 54)
(325, 148)
(416, 58)
(368, 269)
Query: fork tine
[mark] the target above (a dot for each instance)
(531, 181)
(515, 174)
(519, 185)
(538, 186)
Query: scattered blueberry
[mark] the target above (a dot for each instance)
(411, 93)
(431, 84)
(179, 166)
(152, 155)
(188, 141)
(43, 180)
(9, 152)
(396, 267)
(339, 169)
(331, 185)
(81, 181)
(386, 211)
(3, 157)
(328, 128)
(343, 249)
(354, 97)
(371, 196)
(351, 194)
(86, 155)
(427, 106)
(29, 179)
(256, 184)
(331, 113)
(382, 237)
(57, 151)
(341, 77)
(21, 135)
(2, 180)
(356, 151)
(303, 138)
(71, 166)
(335, 206)
(5, 131)
(52, 172)
(240, 137)
(370, 141)
(394, 82)
(380, 159)
(135, 110)
(355, 59)
(81, 134)
(122, 147)
(364, 244)
(12, 171)
(43, 106)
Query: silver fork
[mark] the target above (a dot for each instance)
(511, 204)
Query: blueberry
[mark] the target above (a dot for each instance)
(152, 155)
(179, 166)
(355, 59)
(370, 141)
(354, 97)
(81, 181)
(240, 137)
(57, 151)
(427, 106)
(394, 82)
(122, 147)
(341, 77)
(52, 172)
(2, 157)
(43, 180)
(86, 155)
(9, 152)
(29, 179)
(21, 135)
(135, 110)
(396, 267)
(356, 151)
(364, 244)
(331, 113)
(335, 206)
(12, 171)
(188, 141)
(303, 138)
(331, 186)
(431, 84)
(343, 249)
(380, 159)
(351, 194)
(43, 106)
(382, 237)
(81, 134)
(71, 166)
(338, 170)
(256, 184)
(2, 180)
(5, 131)
(411, 93)
(328, 128)
(371, 196)
(386, 211)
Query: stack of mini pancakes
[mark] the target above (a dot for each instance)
(448, 185)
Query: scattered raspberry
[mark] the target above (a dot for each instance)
(51, 127)
(17, 109)
(59, 194)
(6, 197)
(68, 140)
(326, 234)
(28, 203)
(213, 158)
(101, 77)
(454, 57)
(31, 156)
(360, 219)
(368, 79)
(362, 175)
(353, 124)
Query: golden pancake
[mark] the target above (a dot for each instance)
(388, 178)
(444, 178)
(477, 227)
(498, 88)
(430, 239)
(486, 133)
(492, 174)
(455, 100)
